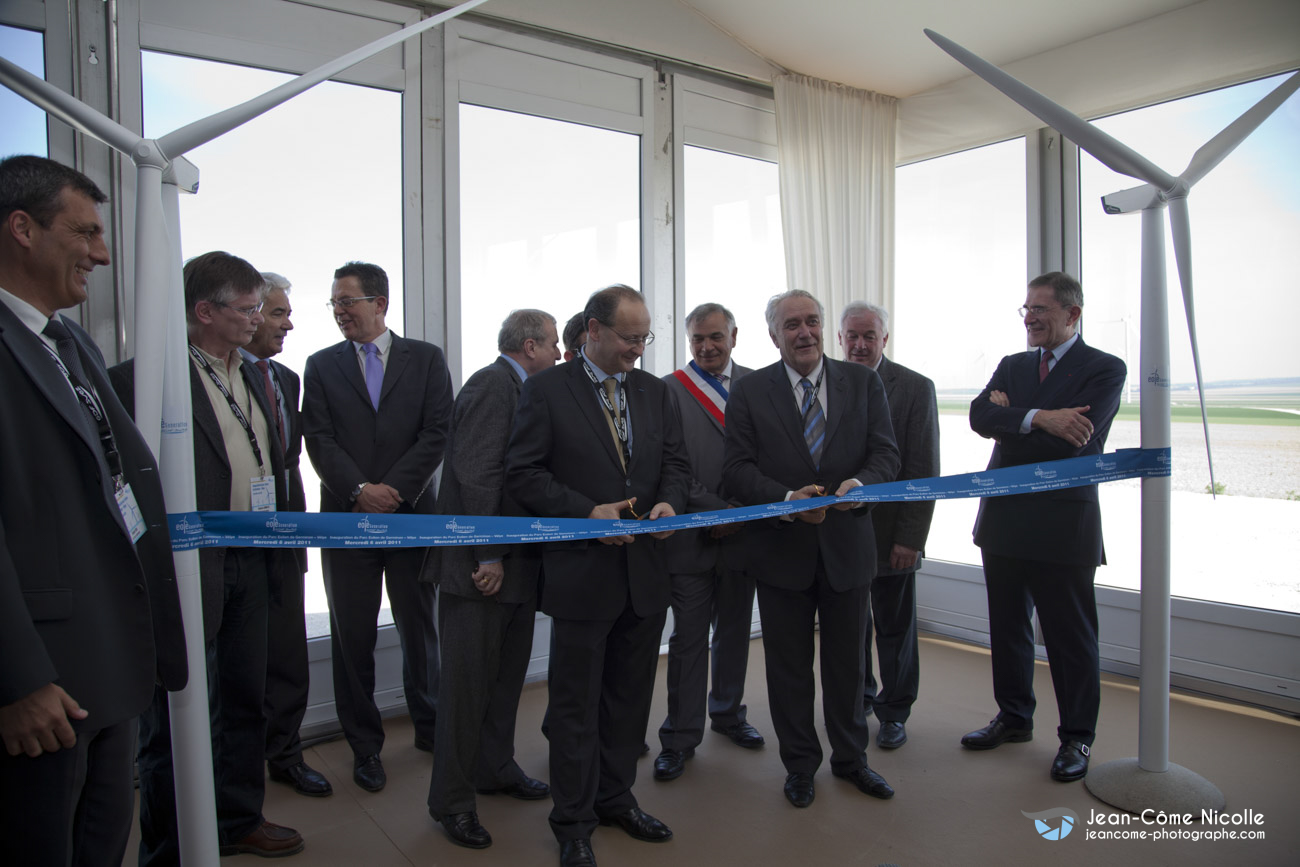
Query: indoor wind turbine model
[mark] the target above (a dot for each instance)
(1150, 781)
(162, 385)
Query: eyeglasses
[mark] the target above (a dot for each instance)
(636, 340)
(246, 312)
(1037, 310)
(347, 303)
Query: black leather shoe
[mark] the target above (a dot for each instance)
(640, 825)
(526, 789)
(891, 736)
(368, 772)
(268, 841)
(799, 789)
(464, 829)
(869, 783)
(422, 745)
(995, 734)
(577, 853)
(671, 764)
(305, 780)
(742, 734)
(1071, 762)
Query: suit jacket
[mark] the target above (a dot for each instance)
(212, 481)
(401, 444)
(473, 483)
(561, 462)
(914, 412)
(704, 436)
(1062, 526)
(291, 387)
(80, 605)
(766, 456)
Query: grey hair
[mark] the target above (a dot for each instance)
(775, 301)
(1066, 289)
(276, 282)
(522, 325)
(857, 308)
(708, 309)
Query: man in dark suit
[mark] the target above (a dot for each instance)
(901, 528)
(575, 334)
(376, 411)
(708, 583)
(89, 613)
(804, 427)
(287, 678)
(488, 596)
(597, 438)
(238, 466)
(1042, 550)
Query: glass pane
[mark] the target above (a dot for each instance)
(1245, 222)
(549, 213)
(734, 249)
(300, 190)
(23, 130)
(959, 277)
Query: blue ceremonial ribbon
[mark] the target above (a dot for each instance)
(191, 530)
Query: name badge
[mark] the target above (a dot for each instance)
(262, 491)
(130, 510)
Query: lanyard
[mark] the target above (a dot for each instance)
(234, 407)
(617, 418)
(93, 405)
(814, 395)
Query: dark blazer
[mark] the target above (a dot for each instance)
(349, 442)
(80, 605)
(704, 436)
(473, 483)
(292, 389)
(212, 481)
(1062, 526)
(561, 462)
(766, 456)
(914, 412)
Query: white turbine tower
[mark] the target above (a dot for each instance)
(1151, 780)
(162, 386)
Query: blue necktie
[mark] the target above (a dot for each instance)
(814, 422)
(374, 372)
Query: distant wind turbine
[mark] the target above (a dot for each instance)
(162, 385)
(1125, 783)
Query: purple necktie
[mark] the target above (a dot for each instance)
(374, 372)
(1043, 369)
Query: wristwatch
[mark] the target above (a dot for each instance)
(356, 492)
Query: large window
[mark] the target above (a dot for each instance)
(959, 277)
(549, 213)
(734, 250)
(23, 129)
(1245, 222)
(300, 190)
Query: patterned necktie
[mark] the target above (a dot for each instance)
(611, 392)
(814, 422)
(374, 373)
(1042, 365)
(269, 386)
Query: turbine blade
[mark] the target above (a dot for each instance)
(184, 139)
(1107, 149)
(1180, 225)
(68, 109)
(1213, 151)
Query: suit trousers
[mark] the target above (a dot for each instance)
(1067, 612)
(604, 674)
(893, 615)
(287, 679)
(236, 659)
(724, 599)
(486, 646)
(788, 630)
(71, 806)
(353, 581)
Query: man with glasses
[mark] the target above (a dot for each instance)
(1042, 550)
(597, 438)
(376, 415)
(238, 466)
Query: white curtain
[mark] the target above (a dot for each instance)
(836, 167)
